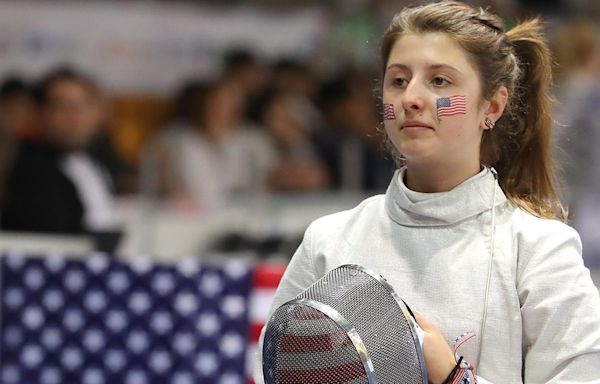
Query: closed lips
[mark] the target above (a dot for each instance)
(415, 124)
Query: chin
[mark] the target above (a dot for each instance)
(418, 153)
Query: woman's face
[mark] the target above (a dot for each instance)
(223, 108)
(280, 121)
(431, 96)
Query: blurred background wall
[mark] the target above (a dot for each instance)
(229, 125)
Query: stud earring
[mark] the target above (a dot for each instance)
(489, 123)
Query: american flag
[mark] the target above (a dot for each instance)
(450, 106)
(265, 282)
(388, 112)
(102, 321)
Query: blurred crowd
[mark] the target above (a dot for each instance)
(262, 129)
(256, 128)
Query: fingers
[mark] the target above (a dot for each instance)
(439, 358)
(425, 324)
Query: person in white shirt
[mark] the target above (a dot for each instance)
(207, 156)
(470, 232)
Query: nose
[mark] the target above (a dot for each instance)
(413, 99)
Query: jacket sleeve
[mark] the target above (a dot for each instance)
(298, 276)
(560, 309)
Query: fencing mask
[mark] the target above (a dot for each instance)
(348, 327)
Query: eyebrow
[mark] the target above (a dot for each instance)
(432, 66)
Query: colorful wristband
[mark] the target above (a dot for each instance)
(463, 372)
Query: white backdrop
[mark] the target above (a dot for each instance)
(146, 47)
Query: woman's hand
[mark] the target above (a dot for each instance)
(439, 358)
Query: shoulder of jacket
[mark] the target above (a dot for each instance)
(532, 229)
(541, 241)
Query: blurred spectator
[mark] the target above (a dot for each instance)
(299, 80)
(17, 107)
(54, 185)
(297, 166)
(206, 156)
(17, 117)
(296, 77)
(243, 70)
(350, 143)
(577, 132)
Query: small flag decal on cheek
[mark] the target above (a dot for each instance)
(450, 106)
(388, 112)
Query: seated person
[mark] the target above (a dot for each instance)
(54, 185)
(206, 156)
(296, 164)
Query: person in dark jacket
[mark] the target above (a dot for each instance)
(54, 185)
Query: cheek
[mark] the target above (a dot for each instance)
(462, 129)
(455, 124)
(391, 129)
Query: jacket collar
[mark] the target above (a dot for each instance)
(472, 197)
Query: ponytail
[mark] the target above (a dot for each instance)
(525, 164)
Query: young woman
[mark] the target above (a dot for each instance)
(469, 232)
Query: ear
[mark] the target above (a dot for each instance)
(496, 106)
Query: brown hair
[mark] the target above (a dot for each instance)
(519, 147)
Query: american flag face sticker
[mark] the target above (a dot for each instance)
(388, 112)
(451, 106)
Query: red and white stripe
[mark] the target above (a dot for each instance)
(313, 348)
(265, 281)
(388, 112)
(466, 371)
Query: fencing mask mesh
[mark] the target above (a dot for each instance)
(348, 327)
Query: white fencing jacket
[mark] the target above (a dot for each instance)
(542, 322)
